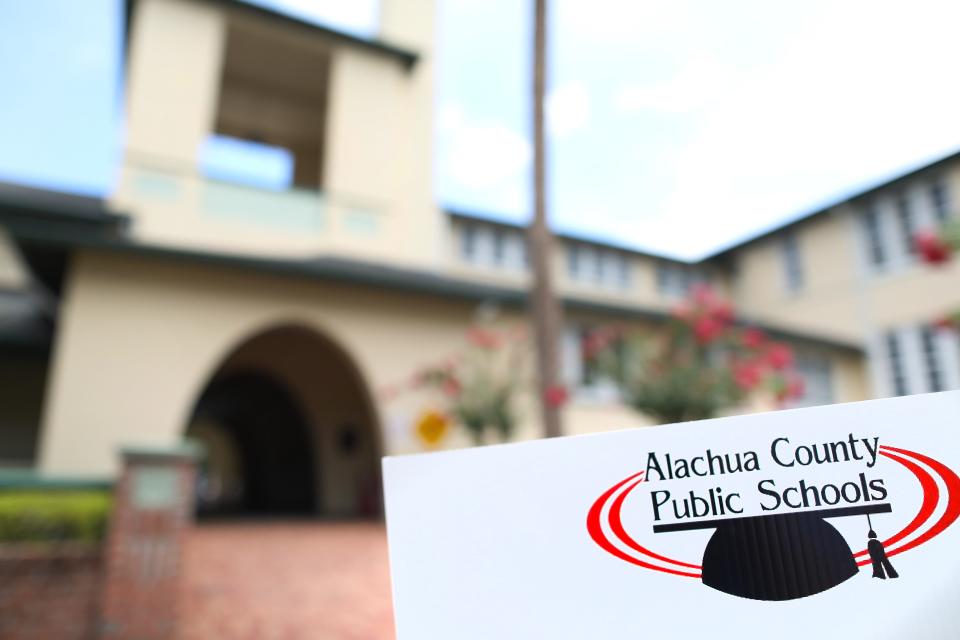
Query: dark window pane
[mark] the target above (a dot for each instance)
(895, 360)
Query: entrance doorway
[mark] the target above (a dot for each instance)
(288, 429)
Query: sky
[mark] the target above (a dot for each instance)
(675, 126)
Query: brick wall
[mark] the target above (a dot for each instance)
(152, 511)
(126, 587)
(49, 592)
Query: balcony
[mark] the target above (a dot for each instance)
(179, 205)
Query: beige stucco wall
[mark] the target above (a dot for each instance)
(843, 297)
(827, 304)
(139, 338)
(175, 55)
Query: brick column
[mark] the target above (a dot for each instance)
(153, 507)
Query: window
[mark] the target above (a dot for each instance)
(931, 359)
(906, 221)
(670, 279)
(895, 359)
(940, 200)
(486, 245)
(792, 266)
(876, 254)
(623, 270)
(817, 375)
(596, 265)
(592, 376)
(573, 261)
(675, 279)
(468, 242)
(499, 247)
(589, 265)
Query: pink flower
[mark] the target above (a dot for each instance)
(747, 375)
(796, 387)
(451, 387)
(932, 248)
(707, 329)
(793, 388)
(556, 395)
(702, 294)
(722, 311)
(779, 356)
(947, 322)
(753, 338)
(594, 343)
(483, 338)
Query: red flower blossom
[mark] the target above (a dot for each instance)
(483, 338)
(557, 395)
(702, 294)
(595, 342)
(747, 375)
(707, 329)
(779, 356)
(932, 248)
(753, 338)
(722, 311)
(796, 387)
(792, 389)
(947, 322)
(451, 387)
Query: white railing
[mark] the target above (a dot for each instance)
(194, 197)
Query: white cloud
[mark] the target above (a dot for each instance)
(698, 84)
(567, 109)
(718, 125)
(606, 20)
(479, 154)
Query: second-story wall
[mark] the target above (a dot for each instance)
(374, 194)
(496, 253)
(853, 272)
(815, 294)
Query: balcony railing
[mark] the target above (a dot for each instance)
(181, 199)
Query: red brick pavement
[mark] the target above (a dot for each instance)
(286, 580)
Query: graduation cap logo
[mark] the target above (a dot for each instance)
(787, 554)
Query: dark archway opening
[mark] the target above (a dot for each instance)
(260, 454)
(289, 428)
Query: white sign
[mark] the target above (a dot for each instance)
(830, 522)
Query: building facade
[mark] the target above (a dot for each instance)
(267, 321)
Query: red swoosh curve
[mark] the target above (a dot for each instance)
(952, 512)
(596, 532)
(621, 533)
(931, 495)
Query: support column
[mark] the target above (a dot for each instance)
(153, 509)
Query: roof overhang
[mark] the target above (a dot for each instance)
(406, 57)
(47, 227)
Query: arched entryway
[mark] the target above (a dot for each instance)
(288, 428)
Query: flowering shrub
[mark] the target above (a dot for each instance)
(700, 363)
(478, 388)
(937, 248)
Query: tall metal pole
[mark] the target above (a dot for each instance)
(546, 310)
